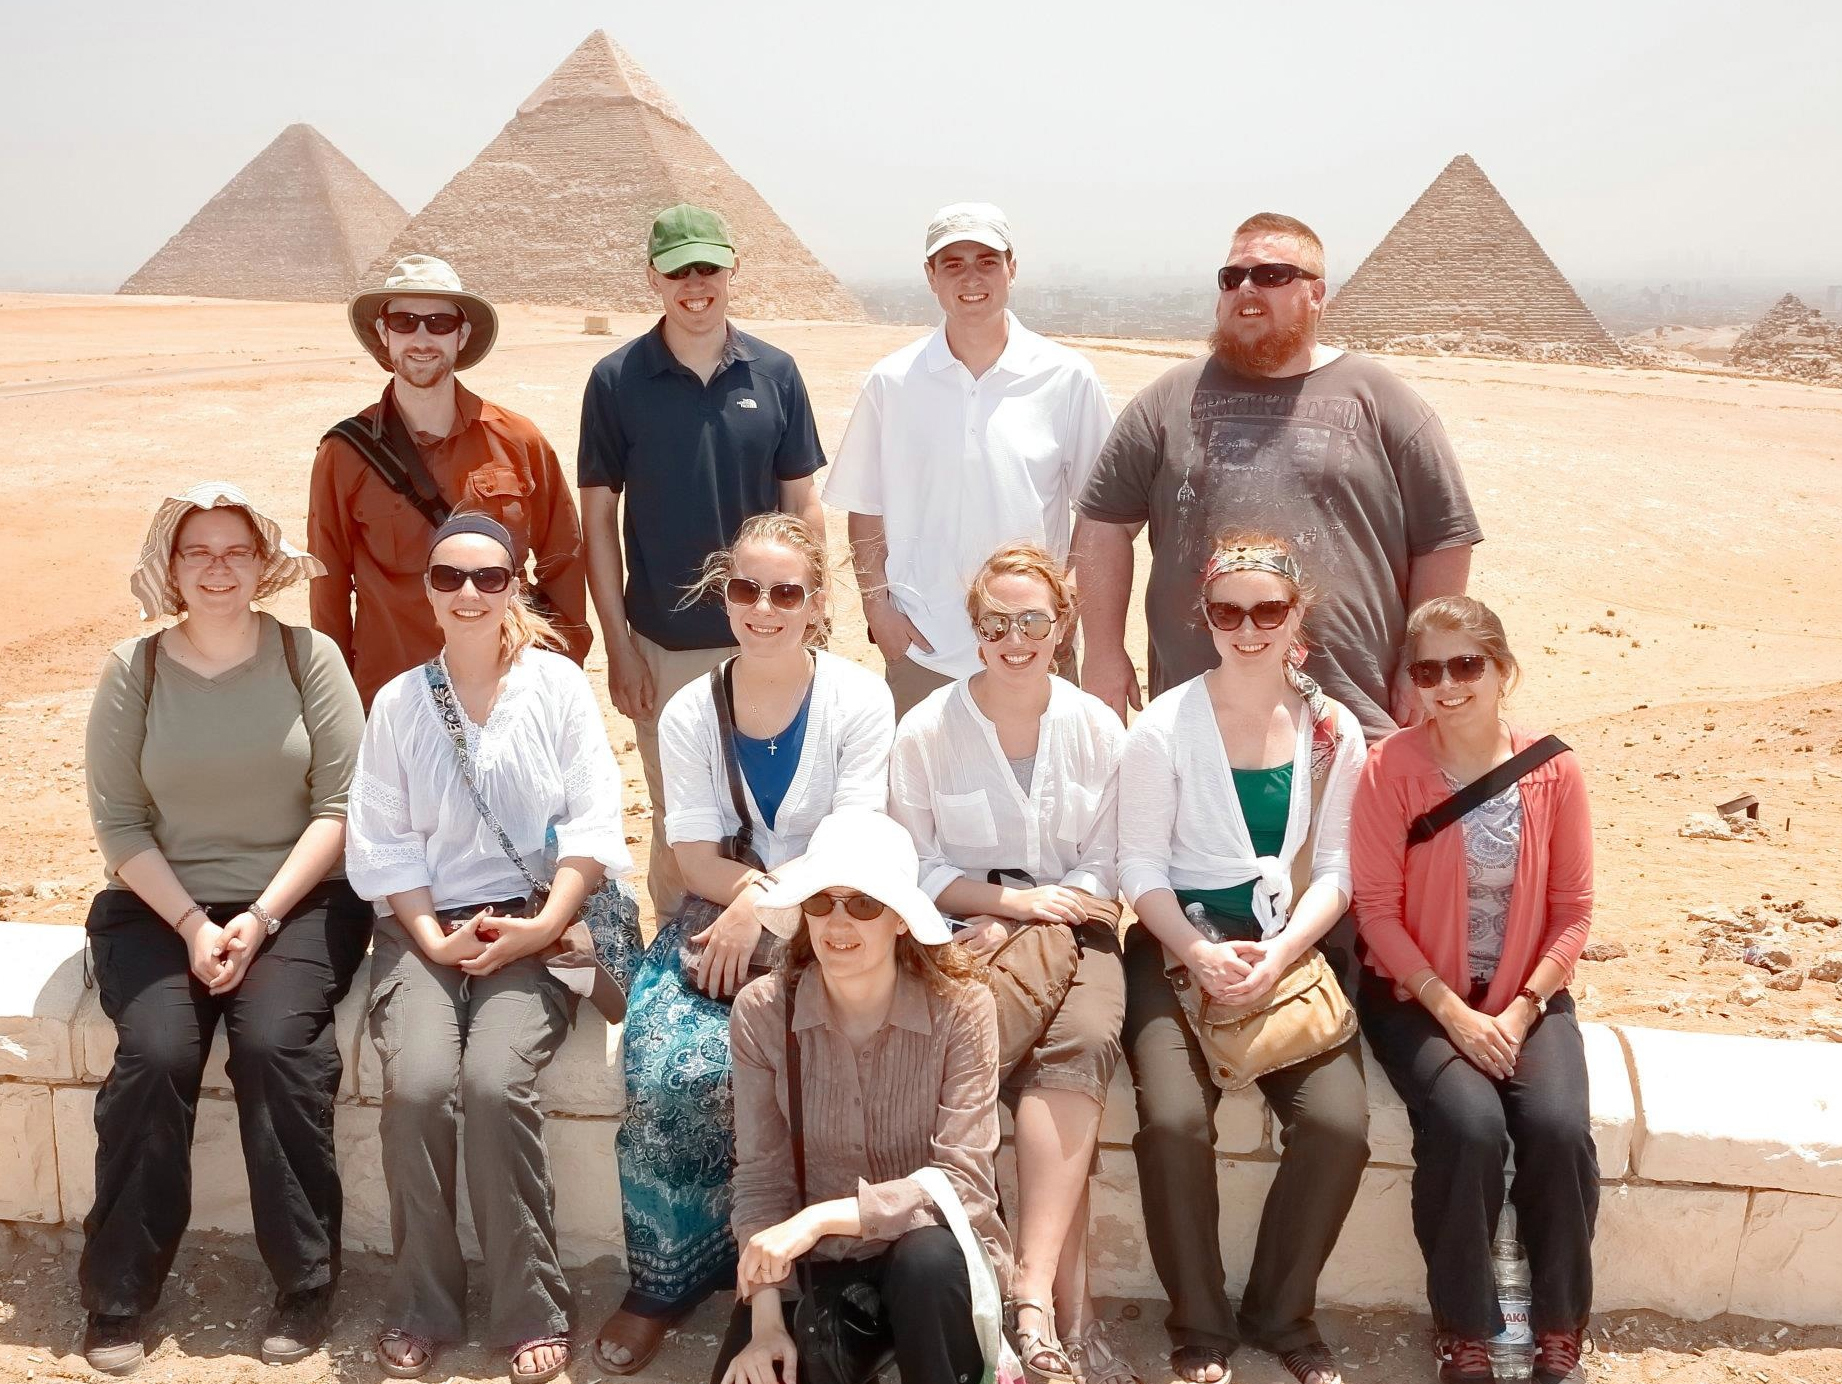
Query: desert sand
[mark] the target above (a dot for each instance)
(1658, 543)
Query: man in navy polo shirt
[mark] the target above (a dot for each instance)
(697, 426)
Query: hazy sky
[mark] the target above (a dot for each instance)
(1647, 140)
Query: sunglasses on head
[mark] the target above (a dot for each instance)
(702, 271)
(1427, 672)
(1232, 276)
(782, 595)
(488, 581)
(438, 323)
(860, 906)
(1226, 616)
(993, 625)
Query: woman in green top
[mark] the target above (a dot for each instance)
(1234, 809)
(218, 756)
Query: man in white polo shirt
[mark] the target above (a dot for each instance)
(978, 434)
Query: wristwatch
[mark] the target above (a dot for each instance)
(263, 916)
(1540, 1004)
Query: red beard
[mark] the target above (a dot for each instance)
(1263, 355)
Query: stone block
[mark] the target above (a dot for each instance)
(220, 1186)
(1738, 1111)
(41, 986)
(28, 1155)
(1119, 1265)
(1377, 1263)
(1790, 1260)
(1669, 1249)
(93, 1038)
(584, 1078)
(1614, 1108)
(1390, 1136)
(581, 1163)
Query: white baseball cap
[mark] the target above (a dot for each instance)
(855, 848)
(979, 222)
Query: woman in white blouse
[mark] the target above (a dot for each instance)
(460, 1001)
(1007, 781)
(793, 733)
(1234, 811)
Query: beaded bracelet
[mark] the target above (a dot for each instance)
(179, 922)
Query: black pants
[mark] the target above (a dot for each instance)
(926, 1299)
(1323, 1112)
(284, 1066)
(1463, 1126)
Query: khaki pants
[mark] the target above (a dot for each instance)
(671, 669)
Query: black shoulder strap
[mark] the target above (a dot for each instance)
(1429, 824)
(796, 1116)
(392, 453)
(150, 651)
(291, 652)
(722, 692)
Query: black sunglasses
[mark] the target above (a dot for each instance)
(702, 271)
(1226, 616)
(782, 595)
(438, 323)
(993, 625)
(1232, 276)
(488, 581)
(1427, 672)
(860, 906)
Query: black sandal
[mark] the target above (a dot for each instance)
(1186, 1359)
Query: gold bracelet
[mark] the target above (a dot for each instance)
(1419, 994)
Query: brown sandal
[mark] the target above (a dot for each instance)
(641, 1350)
(397, 1335)
(540, 1376)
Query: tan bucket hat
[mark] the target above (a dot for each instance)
(152, 578)
(424, 276)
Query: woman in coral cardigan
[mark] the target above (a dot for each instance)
(1470, 939)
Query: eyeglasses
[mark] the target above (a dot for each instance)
(1232, 276)
(1226, 616)
(1427, 672)
(860, 906)
(993, 625)
(488, 581)
(702, 271)
(230, 557)
(438, 323)
(782, 595)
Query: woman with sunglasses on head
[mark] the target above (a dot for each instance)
(1007, 781)
(1470, 938)
(219, 756)
(866, 1084)
(1234, 802)
(494, 749)
(789, 733)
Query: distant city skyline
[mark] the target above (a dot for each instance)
(1637, 149)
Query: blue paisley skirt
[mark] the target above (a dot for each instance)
(677, 1139)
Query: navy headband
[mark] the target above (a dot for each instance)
(486, 526)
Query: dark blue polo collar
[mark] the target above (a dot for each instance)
(659, 358)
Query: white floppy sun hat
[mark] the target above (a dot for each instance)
(855, 848)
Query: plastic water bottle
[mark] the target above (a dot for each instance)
(1512, 1351)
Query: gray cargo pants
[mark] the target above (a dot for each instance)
(442, 1034)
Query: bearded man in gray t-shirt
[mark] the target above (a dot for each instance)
(1273, 431)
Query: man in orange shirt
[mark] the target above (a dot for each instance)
(383, 481)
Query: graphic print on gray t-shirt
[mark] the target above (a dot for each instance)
(1346, 462)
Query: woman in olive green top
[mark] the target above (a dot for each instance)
(218, 757)
(1234, 810)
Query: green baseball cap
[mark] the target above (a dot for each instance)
(684, 235)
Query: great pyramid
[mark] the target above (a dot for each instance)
(1461, 272)
(301, 223)
(556, 208)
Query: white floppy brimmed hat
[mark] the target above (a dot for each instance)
(424, 276)
(152, 578)
(855, 848)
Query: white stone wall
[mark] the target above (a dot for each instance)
(1721, 1157)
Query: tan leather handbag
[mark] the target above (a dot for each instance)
(1031, 974)
(1306, 1013)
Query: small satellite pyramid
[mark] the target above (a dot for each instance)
(301, 223)
(556, 209)
(1461, 268)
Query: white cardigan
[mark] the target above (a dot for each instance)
(951, 786)
(843, 761)
(1180, 819)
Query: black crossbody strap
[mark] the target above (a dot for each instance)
(392, 453)
(1429, 824)
(796, 1117)
(722, 692)
(447, 707)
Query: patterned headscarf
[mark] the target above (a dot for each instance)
(152, 578)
